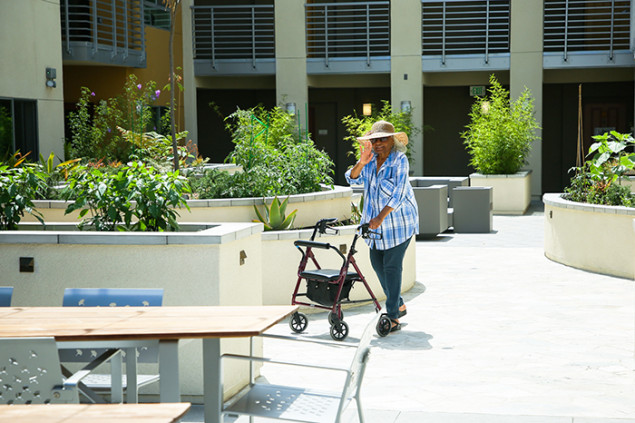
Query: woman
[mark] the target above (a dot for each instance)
(389, 208)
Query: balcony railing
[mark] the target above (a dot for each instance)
(464, 30)
(349, 30)
(225, 35)
(589, 29)
(103, 31)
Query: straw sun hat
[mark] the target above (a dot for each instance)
(381, 129)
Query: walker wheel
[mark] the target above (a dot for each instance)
(298, 322)
(339, 331)
(332, 318)
(383, 325)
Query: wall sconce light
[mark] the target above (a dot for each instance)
(290, 107)
(367, 109)
(405, 106)
(51, 74)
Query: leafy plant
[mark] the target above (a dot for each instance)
(19, 185)
(501, 131)
(54, 176)
(93, 127)
(276, 158)
(275, 219)
(595, 181)
(156, 149)
(135, 198)
(357, 126)
(357, 210)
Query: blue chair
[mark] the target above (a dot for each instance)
(96, 384)
(6, 292)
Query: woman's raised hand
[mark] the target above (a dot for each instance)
(366, 152)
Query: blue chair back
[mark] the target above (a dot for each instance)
(6, 292)
(112, 297)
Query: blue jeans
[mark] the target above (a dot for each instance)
(388, 265)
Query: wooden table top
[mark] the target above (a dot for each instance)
(96, 413)
(110, 323)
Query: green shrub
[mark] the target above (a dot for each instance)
(94, 133)
(134, 198)
(276, 158)
(500, 133)
(19, 184)
(596, 181)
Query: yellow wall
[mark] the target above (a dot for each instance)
(108, 81)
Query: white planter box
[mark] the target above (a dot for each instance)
(311, 207)
(590, 237)
(194, 268)
(512, 193)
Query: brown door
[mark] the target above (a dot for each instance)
(603, 117)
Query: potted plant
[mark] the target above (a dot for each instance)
(498, 139)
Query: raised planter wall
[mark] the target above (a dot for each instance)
(281, 260)
(195, 268)
(511, 193)
(590, 237)
(311, 207)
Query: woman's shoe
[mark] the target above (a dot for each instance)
(402, 310)
(394, 325)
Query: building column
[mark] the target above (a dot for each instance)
(189, 81)
(291, 77)
(406, 77)
(526, 71)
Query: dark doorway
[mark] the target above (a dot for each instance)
(323, 130)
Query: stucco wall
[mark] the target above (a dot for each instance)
(193, 268)
(31, 42)
(590, 237)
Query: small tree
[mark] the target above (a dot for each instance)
(172, 6)
(500, 133)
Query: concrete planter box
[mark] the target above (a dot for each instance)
(280, 260)
(512, 193)
(194, 268)
(628, 181)
(590, 237)
(311, 207)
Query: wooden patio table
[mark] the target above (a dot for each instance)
(118, 327)
(95, 413)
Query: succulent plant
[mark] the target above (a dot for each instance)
(275, 219)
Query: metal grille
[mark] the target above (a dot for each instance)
(585, 25)
(233, 32)
(113, 25)
(347, 30)
(467, 27)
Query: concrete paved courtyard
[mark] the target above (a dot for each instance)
(495, 332)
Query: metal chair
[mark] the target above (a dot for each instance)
(6, 292)
(30, 372)
(96, 384)
(301, 404)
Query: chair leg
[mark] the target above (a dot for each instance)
(360, 412)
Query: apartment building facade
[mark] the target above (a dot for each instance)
(325, 60)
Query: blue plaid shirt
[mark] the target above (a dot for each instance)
(390, 187)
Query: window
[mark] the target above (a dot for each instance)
(155, 14)
(18, 127)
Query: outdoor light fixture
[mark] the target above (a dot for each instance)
(367, 109)
(405, 106)
(290, 108)
(51, 74)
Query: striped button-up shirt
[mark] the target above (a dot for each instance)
(389, 187)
